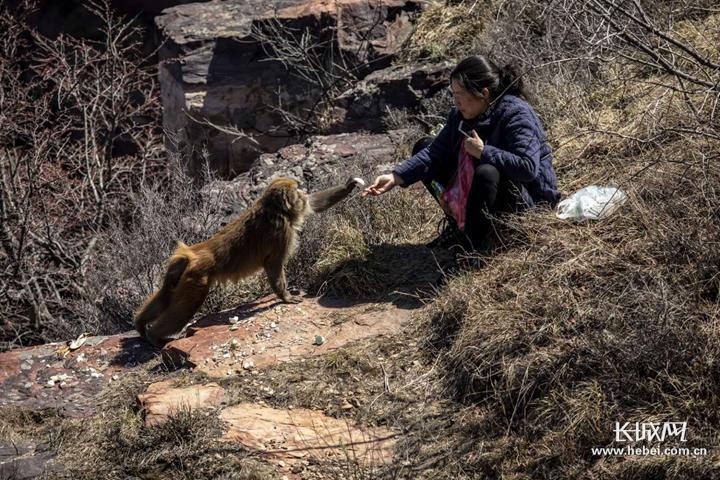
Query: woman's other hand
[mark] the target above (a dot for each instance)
(474, 145)
(382, 184)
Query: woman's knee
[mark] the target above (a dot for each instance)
(421, 144)
(487, 174)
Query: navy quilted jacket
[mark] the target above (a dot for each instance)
(515, 143)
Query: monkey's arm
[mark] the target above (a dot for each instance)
(324, 199)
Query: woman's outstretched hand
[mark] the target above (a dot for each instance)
(474, 145)
(382, 184)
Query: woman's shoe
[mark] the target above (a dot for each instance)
(449, 237)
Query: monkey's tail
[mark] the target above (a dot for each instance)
(159, 301)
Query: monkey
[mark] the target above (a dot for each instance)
(263, 237)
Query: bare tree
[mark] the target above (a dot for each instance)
(78, 134)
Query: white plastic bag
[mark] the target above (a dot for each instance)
(591, 203)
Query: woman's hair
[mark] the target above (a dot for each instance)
(478, 72)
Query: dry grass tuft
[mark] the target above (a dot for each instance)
(444, 30)
(362, 246)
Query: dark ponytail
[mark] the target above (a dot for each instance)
(510, 81)
(478, 72)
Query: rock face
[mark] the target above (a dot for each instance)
(283, 437)
(311, 163)
(21, 461)
(216, 72)
(402, 87)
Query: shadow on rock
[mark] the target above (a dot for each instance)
(133, 350)
(242, 312)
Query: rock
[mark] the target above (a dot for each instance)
(161, 400)
(319, 340)
(206, 338)
(52, 376)
(401, 87)
(214, 70)
(21, 461)
(314, 160)
(290, 436)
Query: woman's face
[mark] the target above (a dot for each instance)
(469, 105)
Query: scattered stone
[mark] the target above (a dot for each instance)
(79, 342)
(319, 340)
(58, 379)
(31, 387)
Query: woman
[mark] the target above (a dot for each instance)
(510, 162)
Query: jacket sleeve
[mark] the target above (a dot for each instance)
(520, 160)
(427, 162)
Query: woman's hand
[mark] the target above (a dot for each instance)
(474, 145)
(382, 184)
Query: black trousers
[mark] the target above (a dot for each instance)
(491, 193)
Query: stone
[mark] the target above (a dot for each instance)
(162, 400)
(221, 89)
(345, 152)
(398, 87)
(300, 321)
(69, 380)
(22, 461)
(289, 437)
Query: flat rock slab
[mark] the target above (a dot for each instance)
(26, 460)
(288, 436)
(268, 332)
(162, 400)
(52, 376)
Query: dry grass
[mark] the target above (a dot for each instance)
(115, 442)
(445, 31)
(360, 248)
(518, 368)
(574, 327)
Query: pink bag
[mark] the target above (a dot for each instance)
(455, 196)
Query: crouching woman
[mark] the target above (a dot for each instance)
(491, 156)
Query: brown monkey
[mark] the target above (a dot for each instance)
(264, 236)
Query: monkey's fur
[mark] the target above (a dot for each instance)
(264, 236)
